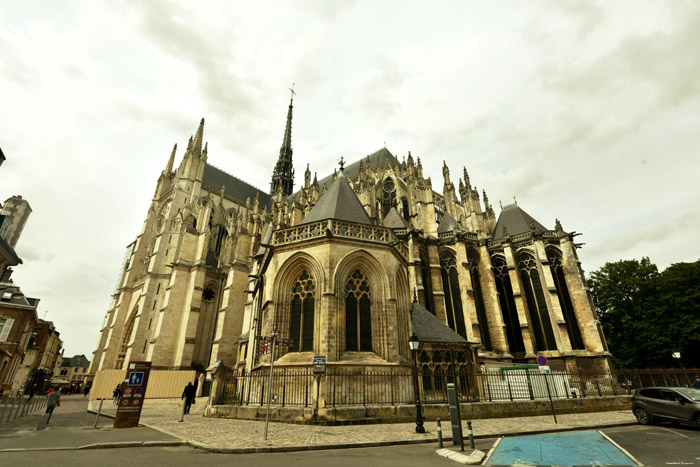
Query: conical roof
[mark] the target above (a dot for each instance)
(448, 224)
(340, 203)
(516, 221)
(429, 329)
(393, 220)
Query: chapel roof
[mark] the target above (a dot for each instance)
(340, 203)
(516, 221)
(429, 329)
(448, 224)
(216, 178)
(394, 220)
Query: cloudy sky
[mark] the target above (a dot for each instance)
(584, 111)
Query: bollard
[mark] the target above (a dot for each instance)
(439, 433)
(471, 434)
(4, 409)
(99, 410)
(182, 415)
(19, 406)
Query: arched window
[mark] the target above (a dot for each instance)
(302, 318)
(427, 282)
(507, 302)
(565, 301)
(473, 262)
(126, 336)
(388, 196)
(453, 299)
(404, 203)
(536, 303)
(358, 316)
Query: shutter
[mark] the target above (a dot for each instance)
(6, 329)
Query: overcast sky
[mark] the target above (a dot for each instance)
(584, 111)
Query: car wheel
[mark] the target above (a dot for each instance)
(643, 417)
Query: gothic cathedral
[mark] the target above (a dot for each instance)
(348, 267)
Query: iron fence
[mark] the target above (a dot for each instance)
(342, 387)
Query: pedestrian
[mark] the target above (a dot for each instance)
(20, 391)
(116, 393)
(188, 394)
(696, 383)
(32, 391)
(53, 402)
(87, 390)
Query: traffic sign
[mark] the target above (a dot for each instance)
(542, 360)
(135, 378)
(545, 369)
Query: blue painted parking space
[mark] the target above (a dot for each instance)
(573, 448)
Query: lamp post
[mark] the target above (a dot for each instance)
(413, 344)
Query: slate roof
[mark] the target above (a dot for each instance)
(516, 222)
(394, 220)
(11, 294)
(448, 224)
(216, 178)
(10, 251)
(429, 329)
(340, 203)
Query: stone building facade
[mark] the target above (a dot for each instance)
(335, 266)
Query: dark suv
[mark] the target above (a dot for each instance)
(676, 405)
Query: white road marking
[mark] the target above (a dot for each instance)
(624, 451)
(671, 431)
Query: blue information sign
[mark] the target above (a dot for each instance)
(542, 360)
(135, 378)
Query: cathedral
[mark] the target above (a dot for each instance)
(347, 267)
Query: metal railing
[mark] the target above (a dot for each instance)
(13, 407)
(342, 387)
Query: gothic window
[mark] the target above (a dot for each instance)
(565, 301)
(358, 316)
(388, 197)
(453, 298)
(404, 203)
(507, 302)
(473, 262)
(427, 283)
(302, 318)
(536, 303)
(208, 294)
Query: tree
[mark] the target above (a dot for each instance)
(647, 315)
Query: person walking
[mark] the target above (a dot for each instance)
(87, 390)
(53, 402)
(116, 393)
(188, 395)
(32, 391)
(696, 383)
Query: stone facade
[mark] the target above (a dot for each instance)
(219, 262)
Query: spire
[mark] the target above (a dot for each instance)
(171, 161)
(197, 142)
(283, 175)
(466, 178)
(307, 177)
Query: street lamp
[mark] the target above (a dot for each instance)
(413, 344)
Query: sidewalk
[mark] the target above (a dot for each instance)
(245, 436)
(72, 428)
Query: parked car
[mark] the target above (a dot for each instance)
(660, 404)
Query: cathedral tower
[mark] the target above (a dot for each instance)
(283, 175)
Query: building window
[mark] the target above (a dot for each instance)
(427, 283)
(453, 298)
(5, 326)
(302, 318)
(507, 302)
(565, 301)
(473, 262)
(388, 197)
(358, 316)
(208, 294)
(536, 304)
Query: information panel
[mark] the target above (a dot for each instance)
(133, 394)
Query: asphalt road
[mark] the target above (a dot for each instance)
(651, 445)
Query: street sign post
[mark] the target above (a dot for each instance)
(133, 393)
(319, 364)
(542, 360)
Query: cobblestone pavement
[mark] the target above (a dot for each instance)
(231, 434)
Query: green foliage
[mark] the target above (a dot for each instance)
(647, 315)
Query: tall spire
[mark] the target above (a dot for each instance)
(197, 143)
(283, 175)
(171, 161)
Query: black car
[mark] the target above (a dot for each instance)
(675, 405)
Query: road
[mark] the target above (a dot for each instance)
(651, 445)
